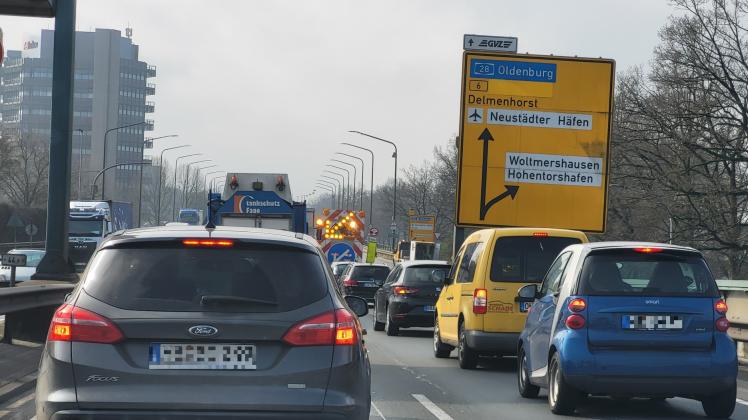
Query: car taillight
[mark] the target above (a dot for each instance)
(577, 305)
(720, 307)
(402, 290)
(208, 243)
(575, 321)
(480, 301)
(722, 324)
(330, 328)
(70, 323)
(350, 282)
(648, 250)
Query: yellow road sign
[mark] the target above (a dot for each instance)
(534, 139)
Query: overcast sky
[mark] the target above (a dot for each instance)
(273, 86)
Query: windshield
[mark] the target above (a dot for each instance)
(33, 257)
(189, 217)
(364, 273)
(626, 272)
(425, 275)
(177, 279)
(88, 228)
(525, 259)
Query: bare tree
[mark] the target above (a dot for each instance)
(681, 144)
(24, 172)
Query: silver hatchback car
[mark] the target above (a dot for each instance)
(186, 322)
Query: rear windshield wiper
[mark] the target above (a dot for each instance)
(212, 299)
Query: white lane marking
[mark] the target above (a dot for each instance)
(21, 401)
(739, 401)
(379, 412)
(433, 408)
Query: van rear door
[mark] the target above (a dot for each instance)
(515, 262)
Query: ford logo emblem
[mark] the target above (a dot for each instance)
(203, 330)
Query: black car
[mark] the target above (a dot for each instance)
(363, 280)
(408, 296)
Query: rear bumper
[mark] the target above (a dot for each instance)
(504, 343)
(154, 415)
(651, 386)
(411, 313)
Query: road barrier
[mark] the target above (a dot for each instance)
(28, 308)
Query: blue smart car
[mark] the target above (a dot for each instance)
(627, 320)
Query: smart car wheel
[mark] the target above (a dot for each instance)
(441, 350)
(722, 405)
(467, 357)
(562, 397)
(526, 389)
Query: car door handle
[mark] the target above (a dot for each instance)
(450, 298)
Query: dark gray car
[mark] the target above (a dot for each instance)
(182, 322)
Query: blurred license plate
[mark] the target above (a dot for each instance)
(428, 309)
(652, 322)
(202, 356)
(525, 306)
(372, 284)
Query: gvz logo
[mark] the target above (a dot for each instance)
(495, 44)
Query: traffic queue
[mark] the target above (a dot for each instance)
(619, 319)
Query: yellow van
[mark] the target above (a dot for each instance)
(476, 311)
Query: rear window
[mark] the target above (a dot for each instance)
(525, 259)
(339, 269)
(369, 273)
(422, 275)
(260, 278)
(626, 272)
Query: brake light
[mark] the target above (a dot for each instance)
(577, 305)
(722, 324)
(402, 290)
(350, 282)
(575, 321)
(209, 243)
(480, 301)
(330, 328)
(540, 234)
(648, 250)
(70, 323)
(720, 306)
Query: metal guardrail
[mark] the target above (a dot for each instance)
(28, 308)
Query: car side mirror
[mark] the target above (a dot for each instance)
(438, 276)
(358, 305)
(527, 293)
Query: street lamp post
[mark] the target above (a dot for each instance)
(142, 158)
(329, 190)
(329, 187)
(213, 183)
(371, 181)
(160, 171)
(103, 171)
(80, 159)
(187, 180)
(394, 192)
(346, 185)
(205, 178)
(174, 194)
(198, 174)
(354, 178)
(363, 168)
(340, 186)
(103, 161)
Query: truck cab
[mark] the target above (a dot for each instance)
(90, 222)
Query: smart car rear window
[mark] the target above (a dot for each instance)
(258, 277)
(631, 273)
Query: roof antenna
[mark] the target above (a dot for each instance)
(210, 226)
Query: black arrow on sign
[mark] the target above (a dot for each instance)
(511, 190)
(470, 42)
